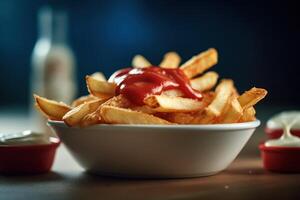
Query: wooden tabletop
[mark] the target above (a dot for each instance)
(244, 179)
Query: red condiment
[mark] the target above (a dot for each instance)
(280, 159)
(136, 84)
(27, 159)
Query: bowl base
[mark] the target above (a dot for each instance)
(150, 176)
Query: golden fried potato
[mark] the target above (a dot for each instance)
(144, 109)
(74, 116)
(51, 109)
(99, 76)
(248, 115)
(101, 89)
(115, 115)
(241, 107)
(188, 117)
(205, 82)
(171, 60)
(251, 97)
(83, 99)
(172, 93)
(223, 93)
(162, 103)
(91, 119)
(232, 113)
(178, 117)
(198, 64)
(118, 101)
(140, 61)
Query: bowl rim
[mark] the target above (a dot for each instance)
(54, 142)
(279, 149)
(231, 126)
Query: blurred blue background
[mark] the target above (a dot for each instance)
(257, 40)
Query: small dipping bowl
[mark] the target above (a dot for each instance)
(28, 158)
(280, 159)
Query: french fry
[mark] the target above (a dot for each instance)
(83, 99)
(235, 92)
(118, 101)
(115, 115)
(121, 102)
(172, 93)
(74, 116)
(205, 82)
(242, 106)
(140, 61)
(188, 117)
(179, 117)
(51, 109)
(199, 63)
(144, 109)
(91, 119)
(223, 93)
(101, 89)
(99, 76)
(251, 97)
(248, 115)
(171, 60)
(162, 103)
(232, 113)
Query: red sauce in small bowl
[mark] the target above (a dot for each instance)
(28, 159)
(281, 159)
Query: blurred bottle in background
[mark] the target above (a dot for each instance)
(53, 63)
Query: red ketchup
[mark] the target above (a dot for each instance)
(136, 84)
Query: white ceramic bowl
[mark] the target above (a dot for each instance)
(155, 151)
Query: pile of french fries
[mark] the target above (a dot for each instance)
(102, 106)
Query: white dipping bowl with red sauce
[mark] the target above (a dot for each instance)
(155, 151)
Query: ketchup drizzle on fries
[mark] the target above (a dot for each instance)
(136, 84)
